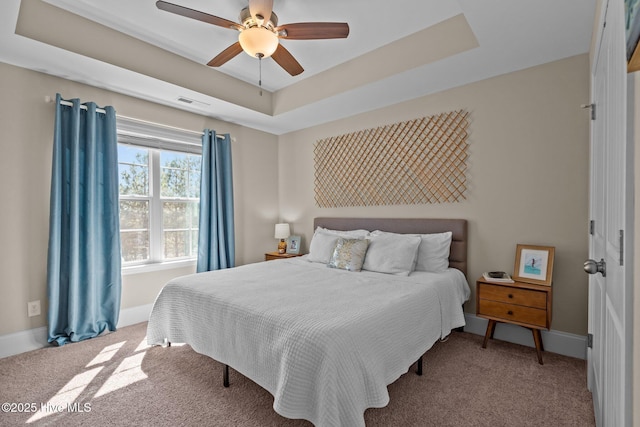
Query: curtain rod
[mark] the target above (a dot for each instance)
(48, 100)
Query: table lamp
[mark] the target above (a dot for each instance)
(282, 232)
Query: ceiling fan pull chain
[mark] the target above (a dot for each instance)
(259, 55)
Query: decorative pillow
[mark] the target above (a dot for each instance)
(349, 254)
(322, 246)
(433, 253)
(392, 253)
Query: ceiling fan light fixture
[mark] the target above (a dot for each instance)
(257, 41)
(260, 33)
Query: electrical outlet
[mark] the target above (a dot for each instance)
(33, 308)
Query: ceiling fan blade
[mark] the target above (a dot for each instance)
(313, 30)
(225, 55)
(284, 59)
(195, 14)
(261, 10)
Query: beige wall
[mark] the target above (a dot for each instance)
(528, 174)
(527, 179)
(25, 174)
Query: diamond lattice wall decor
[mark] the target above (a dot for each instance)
(414, 162)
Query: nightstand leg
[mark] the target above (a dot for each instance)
(537, 338)
(491, 327)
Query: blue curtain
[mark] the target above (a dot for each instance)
(216, 240)
(83, 269)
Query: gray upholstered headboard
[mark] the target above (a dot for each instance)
(457, 255)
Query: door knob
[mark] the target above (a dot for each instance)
(593, 267)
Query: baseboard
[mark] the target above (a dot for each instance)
(554, 341)
(133, 315)
(23, 341)
(34, 339)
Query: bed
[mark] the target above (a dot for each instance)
(325, 342)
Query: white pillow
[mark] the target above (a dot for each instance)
(324, 241)
(322, 246)
(433, 253)
(392, 253)
(348, 234)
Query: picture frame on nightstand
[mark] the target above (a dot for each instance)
(293, 245)
(534, 264)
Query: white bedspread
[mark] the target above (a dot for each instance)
(324, 342)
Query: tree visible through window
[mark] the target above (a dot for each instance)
(133, 165)
(159, 204)
(180, 195)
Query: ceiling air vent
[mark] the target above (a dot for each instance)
(190, 101)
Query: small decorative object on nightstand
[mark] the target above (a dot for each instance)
(270, 256)
(282, 232)
(293, 245)
(534, 264)
(518, 303)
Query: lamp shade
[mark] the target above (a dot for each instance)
(282, 231)
(258, 41)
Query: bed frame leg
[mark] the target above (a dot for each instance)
(461, 328)
(225, 376)
(419, 371)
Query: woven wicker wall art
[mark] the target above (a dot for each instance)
(414, 162)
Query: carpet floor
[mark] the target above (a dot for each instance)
(117, 380)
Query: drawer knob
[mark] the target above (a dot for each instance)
(510, 295)
(510, 313)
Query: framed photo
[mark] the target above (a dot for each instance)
(534, 264)
(293, 245)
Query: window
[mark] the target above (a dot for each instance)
(159, 199)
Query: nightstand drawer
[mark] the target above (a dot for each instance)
(513, 295)
(513, 313)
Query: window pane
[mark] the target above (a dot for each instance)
(194, 243)
(180, 175)
(176, 244)
(180, 225)
(134, 214)
(174, 215)
(133, 166)
(135, 245)
(195, 215)
(194, 183)
(134, 230)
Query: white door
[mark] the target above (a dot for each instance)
(609, 358)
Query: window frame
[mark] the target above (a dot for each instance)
(157, 138)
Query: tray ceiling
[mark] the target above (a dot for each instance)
(395, 51)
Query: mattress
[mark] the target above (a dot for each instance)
(324, 342)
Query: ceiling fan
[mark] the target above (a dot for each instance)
(260, 33)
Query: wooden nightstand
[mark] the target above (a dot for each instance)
(270, 256)
(517, 303)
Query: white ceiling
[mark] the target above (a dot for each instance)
(512, 35)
